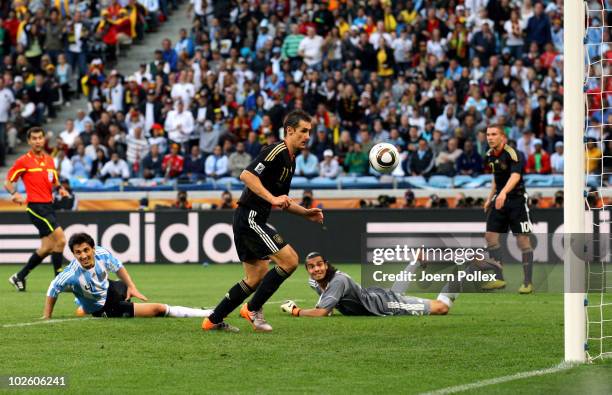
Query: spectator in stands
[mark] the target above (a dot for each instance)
(538, 28)
(152, 163)
(551, 139)
(446, 162)
(7, 98)
(436, 144)
(306, 164)
(356, 161)
(526, 143)
(181, 201)
(81, 163)
(179, 124)
(137, 149)
(63, 165)
(556, 159)
(539, 161)
(311, 48)
(447, 122)
(238, 160)
(365, 139)
(252, 146)
(593, 156)
(421, 161)
(329, 167)
(69, 135)
(115, 168)
(172, 164)
(98, 164)
(193, 168)
(469, 162)
(481, 145)
(216, 165)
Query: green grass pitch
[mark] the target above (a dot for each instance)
(484, 336)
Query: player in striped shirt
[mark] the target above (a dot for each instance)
(87, 278)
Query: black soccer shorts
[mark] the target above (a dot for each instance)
(116, 306)
(514, 216)
(254, 239)
(42, 215)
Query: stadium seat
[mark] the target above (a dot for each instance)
(416, 182)
(441, 182)
(352, 182)
(481, 181)
(299, 182)
(593, 180)
(322, 183)
(460, 180)
(230, 183)
(557, 180)
(538, 180)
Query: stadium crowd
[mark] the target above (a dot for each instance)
(427, 76)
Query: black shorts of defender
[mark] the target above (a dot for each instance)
(253, 238)
(514, 216)
(42, 215)
(116, 306)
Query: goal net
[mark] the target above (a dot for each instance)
(597, 144)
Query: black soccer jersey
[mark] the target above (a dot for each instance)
(502, 165)
(274, 166)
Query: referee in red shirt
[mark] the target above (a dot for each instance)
(38, 173)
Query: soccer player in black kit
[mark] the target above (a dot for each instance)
(506, 207)
(267, 181)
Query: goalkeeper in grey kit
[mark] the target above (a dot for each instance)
(338, 290)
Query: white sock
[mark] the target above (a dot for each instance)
(186, 312)
(447, 298)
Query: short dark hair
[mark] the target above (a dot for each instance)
(331, 270)
(294, 117)
(498, 127)
(35, 129)
(80, 238)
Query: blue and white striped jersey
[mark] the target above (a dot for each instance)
(88, 285)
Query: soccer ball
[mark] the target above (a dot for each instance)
(384, 157)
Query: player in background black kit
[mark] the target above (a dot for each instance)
(506, 207)
(267, 181)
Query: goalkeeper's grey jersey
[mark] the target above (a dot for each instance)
(349, 298)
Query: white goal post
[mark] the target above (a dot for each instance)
(574, 176)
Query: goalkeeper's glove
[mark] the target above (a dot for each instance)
(291, 308)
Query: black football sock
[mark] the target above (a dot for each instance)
(270, 283)
(233, 298)
(495, 253)
(34, 261)
(527, 266)
(57, 259)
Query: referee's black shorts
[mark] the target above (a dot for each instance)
(42, 215)
(254, 239)
(514, 215)
(116, 306)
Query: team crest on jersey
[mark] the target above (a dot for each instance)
(50, 175)
(259, 168)
(278, 239)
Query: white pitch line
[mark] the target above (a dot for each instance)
(499, 380)
(45, 322)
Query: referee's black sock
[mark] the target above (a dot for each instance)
(57, 259)
(527, 266)
(495, 253)
(270, 283)
(34, 261)
(233, 298)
